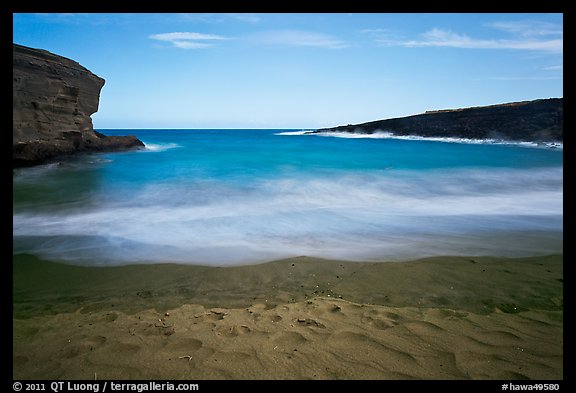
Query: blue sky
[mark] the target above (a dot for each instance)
(301, 70)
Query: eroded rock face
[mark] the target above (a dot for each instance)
(538, 120)
(53, 99)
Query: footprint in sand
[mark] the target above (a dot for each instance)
(233, 331)
(158, 328)
(79, 346)
(310, 322)
(288, 339)
(190, 349)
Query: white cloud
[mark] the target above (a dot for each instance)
(185, 36)
(298, 38)
(521, 35)
(190, 44)
(194, 40)
(528, 28)
(558, 67)
(188, 40)
(447, 38)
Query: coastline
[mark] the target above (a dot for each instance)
(298, 318)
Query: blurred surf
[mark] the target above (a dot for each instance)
(226, 197)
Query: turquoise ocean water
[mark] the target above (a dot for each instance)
(225, 197)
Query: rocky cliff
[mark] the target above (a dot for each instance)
(538, 120)
(53, 99)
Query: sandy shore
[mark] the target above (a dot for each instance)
(299, 318)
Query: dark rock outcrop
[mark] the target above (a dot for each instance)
(538, 120)
(53, 99)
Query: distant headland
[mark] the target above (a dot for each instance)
(536, 121)
(53, 99)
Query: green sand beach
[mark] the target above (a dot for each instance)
(298, 318)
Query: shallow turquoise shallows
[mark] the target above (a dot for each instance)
(225, 197)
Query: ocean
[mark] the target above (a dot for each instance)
(231, 197)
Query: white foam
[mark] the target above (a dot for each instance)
(153, 147)
(356, 216)
(390, 135)
(357, 135)
(289, 133)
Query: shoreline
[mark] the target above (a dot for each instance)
(299, 318)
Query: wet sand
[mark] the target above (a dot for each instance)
(298, 318)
